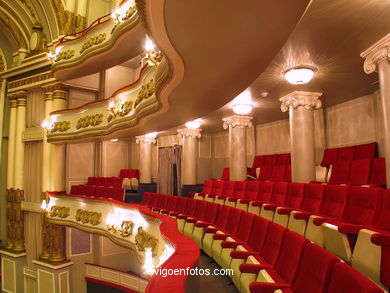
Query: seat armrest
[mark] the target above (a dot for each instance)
(242, 254)
(231, 244)
(202, 224)
(302, 216)
(220, 236)
(182, 216)
(318, 221)
(270, 207)
(174, 214)
(284, 211)
(211, 230)
(381, 239)
(257, 203)
(350, 228)
(245, 201)
(191, 220)
(233, 199)
(253, 268)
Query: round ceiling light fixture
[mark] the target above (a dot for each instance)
(300, 74)
(151, 135)
(242, 109)
(195, 124)
(243, 104)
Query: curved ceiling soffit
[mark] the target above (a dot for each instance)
(20, 36)
(170, 71)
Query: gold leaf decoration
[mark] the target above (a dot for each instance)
(85, 217)
(147, 90)
(120, 111)
(93, 41)
(90, 120)
(64, 55)
(61, 212)
(145, 240)
(60, 126)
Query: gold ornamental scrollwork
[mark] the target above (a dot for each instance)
(120, 111)
(147, 90)
(90, 120)
(60, 126)
(125, 230)
(145, 240)
(64, 55)
(93, 41)
(119, 18)
(85, 217)
(61, 212)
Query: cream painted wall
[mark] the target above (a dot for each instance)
(119, 76)
(115, 156)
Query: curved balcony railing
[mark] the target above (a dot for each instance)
(152, 236)
(70, 53)
(122, 110)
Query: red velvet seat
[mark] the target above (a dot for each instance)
(207, 187)
(171, 204)
(340, 172)
(132, 173)
(283, 159)
(91, 181)
(118, 194)
(116, 182)
(99, 191)
(123, 173)
(200, 210)
(330, 157)
(312, 201)
(161, 202)
(287, 176)
(240, 190)
(90, 190)
(295, 195)
(258, 162)
(270, 160)
(225, 174)
(211, 214)
(345, 279)
(190, 208)
(180, 208)
(279, 193)
(100, 181)
(346, 153)
(264, 195)
(272, 245)
(278, 173)
(360, 172)
(227, 189)
(251, 193)
(266, 173)
(259, 233)
(109, 190)
(216, 189)
(244, 229)
(108, 181)
(74, 189)
(146, 198)
(222, 217)
(336, 199)
(366, 151)
(378, 172)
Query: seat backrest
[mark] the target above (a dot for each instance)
(252, 190)
(200, 211)
(225, 174)
(360, 172)
(91, 181)
(74, 189)
(100, 181)
(314, 196)
(223, 216)
(295, 195)
(146, 198)
(118, 194)
(330, 157)
(336, 199)
(207, 186)
(346, 153)
(245, 227)
(270, 160)
(383, 221)
(240, 188)
(171, 203)
(278, 173)
(279, 193)
(181, 204)
(259, 233)
(287, 176)
(211, 212)
(266, 172)
(228, 189)
(314, 270)
(123, 173)
(116, 182)
(378, 172)
(191, 206)
(366, 151)
(290, 256)
(108, 181)
(340, 172)
(99, 191)
(283, 159)
(258, 162)
(346, 279)
(273, 243)
(162, 201)
(233, 221)
(109, 190)
(217, 187)
(363, 204)
(265, 192)
(90, 190)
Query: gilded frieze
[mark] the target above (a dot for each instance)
(93, 41)
(90, 120)
(60, 126)
(145, 240)
(120, 111)
(64, 55)
(61, 212)
(147, 90)
(85, 217)
(125, 230)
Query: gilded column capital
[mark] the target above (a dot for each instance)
(145, 139)
(186, 132)
(13, 102)
(18, 99)
(308, 100)
(378, 52)
(239, 121)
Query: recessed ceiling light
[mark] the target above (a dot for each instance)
(195, 124)
(299, 75)
(151, 135)
(114, 139)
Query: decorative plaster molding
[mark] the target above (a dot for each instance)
(186, 132)
(237, 121)
(308, 100)
(375, 54)
(145, 139)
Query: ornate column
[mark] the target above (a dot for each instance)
(19, 144)
(57, 153)
(46, 147)
(188, 167)
(11, 141)
(300, 106)
(237, 144)
(377, 58)
(145, 153)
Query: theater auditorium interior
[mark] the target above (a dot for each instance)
(194, 146)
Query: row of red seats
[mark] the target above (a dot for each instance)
(267, 172)
(291, 260)
(270, 160)
(129, 173)
(115, 193)
(359, 172)
(358, 152)
(105, 181)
